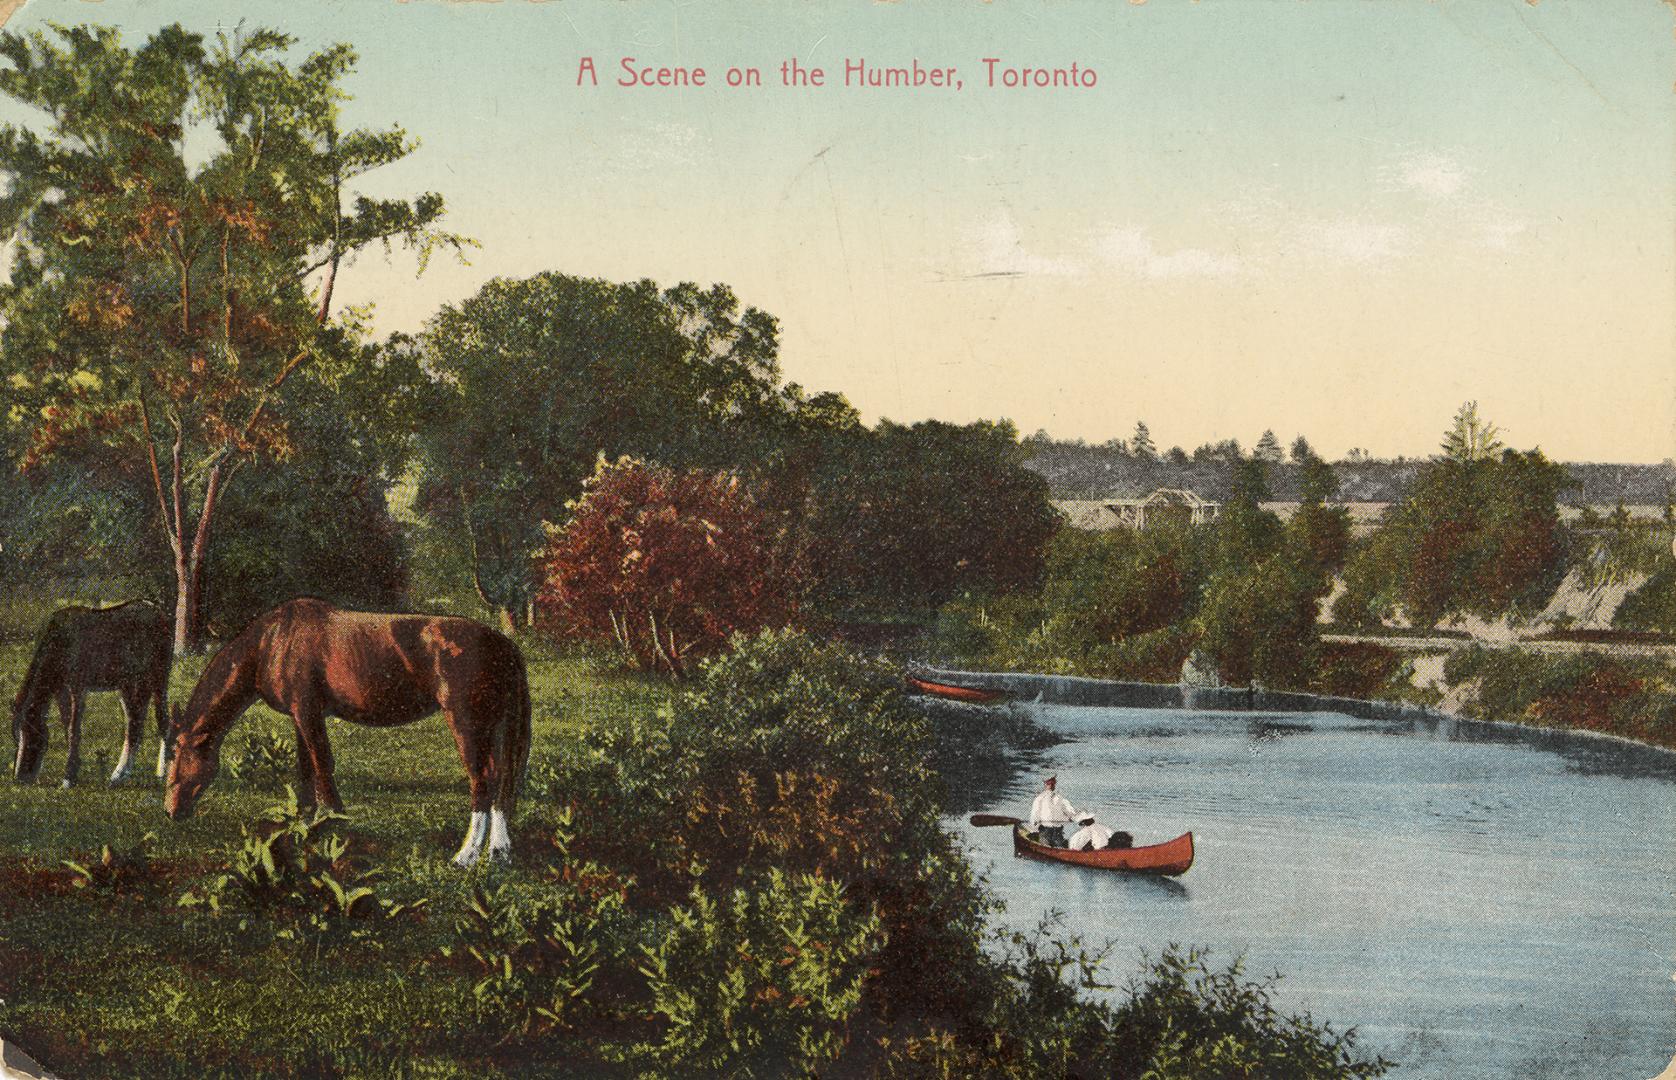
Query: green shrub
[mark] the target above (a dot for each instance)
(1653, 605)
(265, 760)
(1358, 669)
(294, 875)
(114, 870)
(543, 951)
(1184, 1021)
(1628, 696)
(763, 981)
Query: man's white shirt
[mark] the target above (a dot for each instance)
(1051, 808)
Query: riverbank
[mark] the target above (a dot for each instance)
(1114, 693)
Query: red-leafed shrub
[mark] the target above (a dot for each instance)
(663, 565)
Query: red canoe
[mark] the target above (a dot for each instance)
(956, 693)
(1170, 858)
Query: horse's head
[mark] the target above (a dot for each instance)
(29, 735)
(196, 761)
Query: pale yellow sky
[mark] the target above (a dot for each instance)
(1339, 219)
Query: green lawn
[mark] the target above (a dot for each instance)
(121, 981)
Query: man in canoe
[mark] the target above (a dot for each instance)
(1050, 813)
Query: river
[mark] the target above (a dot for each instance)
(1480, 902)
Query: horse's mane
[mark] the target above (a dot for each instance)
(218, 672)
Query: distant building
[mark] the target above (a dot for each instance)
(1165, 504)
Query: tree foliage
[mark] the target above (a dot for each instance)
(1470, 437)
(664, 565)
(545, 374)
(172, 204)
(1472, 537)
(904, 517)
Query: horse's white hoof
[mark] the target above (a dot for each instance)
(472, 849)
(66, 785)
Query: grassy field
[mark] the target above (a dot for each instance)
(105, 974)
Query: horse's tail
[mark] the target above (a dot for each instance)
(517, 741)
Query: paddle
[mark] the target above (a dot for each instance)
(980, 820)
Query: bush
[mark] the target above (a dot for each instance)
(540, 956)
(1357, 669)
(1653, 605)
(1184, 1021)
(1625, 696)
(295, 875)
(764, 981)
(1260, 626)
(663, 565)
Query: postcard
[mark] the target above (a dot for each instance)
(1016, 538)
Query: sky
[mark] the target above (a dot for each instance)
(1334, 218)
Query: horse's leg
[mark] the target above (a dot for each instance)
(312, 743)
(31, 736)
(504, 765)
(305, 775)
(165, 732)
(69, 711)
(475, 755)
(133, 730)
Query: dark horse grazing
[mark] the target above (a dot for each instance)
(127, 648)
(310, 660)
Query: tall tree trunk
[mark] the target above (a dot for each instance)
(186, 602)
(189, 566)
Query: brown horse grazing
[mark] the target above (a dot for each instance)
(310, 660)
(126, 648)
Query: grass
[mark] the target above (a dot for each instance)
(120, 981)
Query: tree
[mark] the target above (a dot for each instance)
(664, 565)
(905, 517)
(1317, 533)
(1227, 451)
(1479, 537)
(170, 214)
(1141, 445)
(1268, 449)
(1260, 623)
(1470, 438)
(545, 374)
(320, 521)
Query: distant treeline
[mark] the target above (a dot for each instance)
(1079, 470)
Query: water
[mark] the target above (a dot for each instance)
(1478, 902)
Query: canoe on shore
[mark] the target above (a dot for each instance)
(1171, 858)
(973, 694)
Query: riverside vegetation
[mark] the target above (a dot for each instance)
(1476, 534)
(742, 876)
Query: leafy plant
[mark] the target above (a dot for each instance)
(1186, 1021)
(295, 872)
(762, 981)
(266, 758)
(114, 870)
(541, 954)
